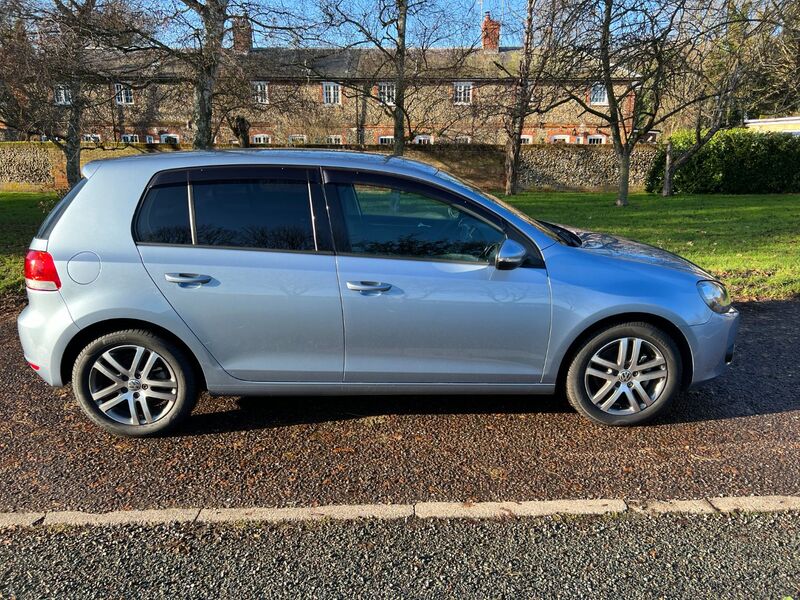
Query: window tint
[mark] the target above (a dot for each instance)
(59, 209)
(255, 213)
(164, 216)
(387, 221)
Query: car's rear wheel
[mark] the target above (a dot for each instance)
(624, 374)
(134, 383)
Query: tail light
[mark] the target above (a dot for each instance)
(40, 271)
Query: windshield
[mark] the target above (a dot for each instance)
(548, 231)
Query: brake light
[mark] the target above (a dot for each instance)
(40, 271)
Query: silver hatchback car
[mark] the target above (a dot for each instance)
(320, 272)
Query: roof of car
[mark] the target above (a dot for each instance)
(159, 161)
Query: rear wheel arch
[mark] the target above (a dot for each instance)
(96, 330)
(662, 323)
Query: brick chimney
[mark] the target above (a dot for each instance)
(242, 34)
(490, 33)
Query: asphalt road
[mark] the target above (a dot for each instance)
(717, 556)
(737, 436)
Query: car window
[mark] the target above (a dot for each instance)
(270, 214)
(164, 216)
(391, 221)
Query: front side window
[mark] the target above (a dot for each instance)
(62, 95)
(270, 214)
(599, 94)
(401, 223)
(462, 92)
(331, 93)
(386, 93)
(123, 93)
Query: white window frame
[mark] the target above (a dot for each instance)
(297, 139)
(385, 140)
(462, 139)
(462, 93)
(95, 138)
(526, 139)
(149, 139)
(262, 138)
(123, 94)
(130, 138)
(169, 138)
(423, 139)
(598, 95)
(386, 92)
(62, 95)
(331, 93)
(333, 140)
(260, 92)
(554, 139)
(596, 140)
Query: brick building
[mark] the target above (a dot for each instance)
(320, 96)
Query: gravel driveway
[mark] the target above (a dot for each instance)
(718, 556)
(737, 436)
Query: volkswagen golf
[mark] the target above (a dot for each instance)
(326, 272)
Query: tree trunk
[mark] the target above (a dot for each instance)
(666, 191)
(241, 129)
(400, 79)
(624, 159)
(513, 148)
(203, 91)
(72, 143)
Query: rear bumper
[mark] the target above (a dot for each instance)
(45, 328)
(713, 346)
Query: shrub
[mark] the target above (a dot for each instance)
(736, 161)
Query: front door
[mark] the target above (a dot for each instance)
(422, 300)
(236, 252)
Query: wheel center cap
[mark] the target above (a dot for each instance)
(134, 385)
(625, 376)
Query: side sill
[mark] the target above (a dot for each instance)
(386, 389)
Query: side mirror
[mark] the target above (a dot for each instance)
(510, 255)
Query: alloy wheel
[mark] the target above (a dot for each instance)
(133, 385)
(626, 376)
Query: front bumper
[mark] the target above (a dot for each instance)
(45, 328)
(713, 346)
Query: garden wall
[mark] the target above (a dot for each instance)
(36, 165)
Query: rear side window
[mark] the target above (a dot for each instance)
(50, 222)
(272, 214)
(164, 216)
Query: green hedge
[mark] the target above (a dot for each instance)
(737, 161)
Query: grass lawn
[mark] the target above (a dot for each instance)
(751, 242)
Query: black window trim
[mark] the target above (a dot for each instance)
(334, 175)
(323, 243)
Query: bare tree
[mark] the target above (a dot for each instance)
(402, 43)
(635, 55)
(54, 69)
(530, 90)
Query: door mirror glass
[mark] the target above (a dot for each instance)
(510, 255)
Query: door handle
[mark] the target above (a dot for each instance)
(190, 278)
(368, 286)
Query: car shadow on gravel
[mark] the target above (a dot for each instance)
(763, 379)
(249, 413)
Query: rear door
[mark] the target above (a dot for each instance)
(244, 256)
(422, 300)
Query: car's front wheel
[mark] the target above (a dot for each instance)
(134, 383)
(624, 374)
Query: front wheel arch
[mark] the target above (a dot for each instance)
(665, 325)
(101, 328)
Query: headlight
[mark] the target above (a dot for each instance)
(715, 295)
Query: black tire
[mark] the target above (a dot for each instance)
(578, 395)
(174, 358)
